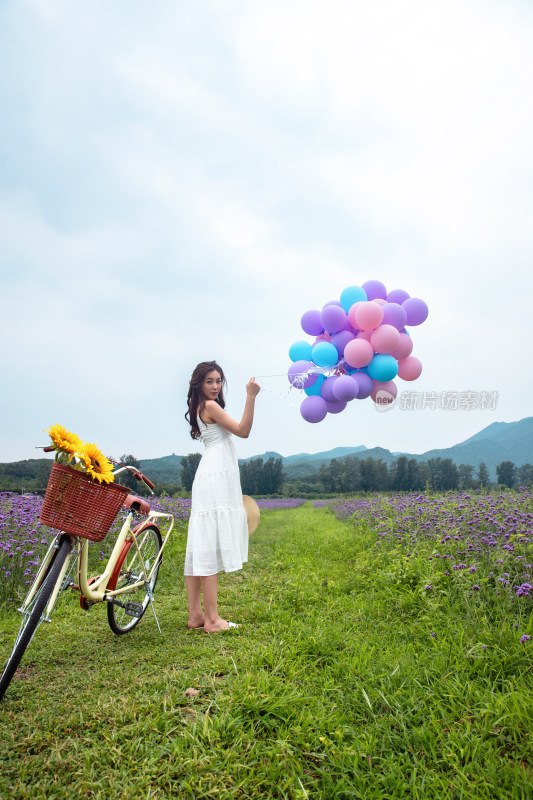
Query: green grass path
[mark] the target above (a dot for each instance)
(332, 687)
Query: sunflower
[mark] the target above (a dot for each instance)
(96, 464)
(64, 441)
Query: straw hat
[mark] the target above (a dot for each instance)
(252, 512)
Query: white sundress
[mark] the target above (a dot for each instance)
(218, 530)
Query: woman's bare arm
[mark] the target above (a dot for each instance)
(214, 413)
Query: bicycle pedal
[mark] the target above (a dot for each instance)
(134, 610)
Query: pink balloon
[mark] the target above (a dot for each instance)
(351, 313)
(387, 386)
(366, 335)
(385, 339)
(379, 301)
(410, 368)
(358, 353)
(368, 315)
(405, 347)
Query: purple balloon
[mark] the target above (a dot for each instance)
(416, 310)
(333, 318)
(341, 339)
(366, 384)
(375, 290)
(311, 323)
(335, 408)
(397, 296)
(345, 388)
(326, 390)
(297, 374)
(332, 303)
(313, 408)
(394, 314)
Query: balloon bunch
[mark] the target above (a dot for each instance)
(361, 344)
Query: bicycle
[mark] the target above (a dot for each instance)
(131, 571)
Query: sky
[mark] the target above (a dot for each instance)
(181, 181)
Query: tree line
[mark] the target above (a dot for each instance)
(257, 476)
(352, 474)
(338, 476)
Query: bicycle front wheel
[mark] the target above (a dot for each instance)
(32, 616)
(126, 610)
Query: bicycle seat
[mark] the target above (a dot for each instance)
(136, 503)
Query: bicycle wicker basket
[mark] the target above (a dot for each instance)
(76, 504)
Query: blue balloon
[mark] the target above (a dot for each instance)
(351, 295)
(315, 388)
(383, 368)
(300, 351)
(325, 354)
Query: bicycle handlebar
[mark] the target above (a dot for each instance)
(136, 474)
(144, 479)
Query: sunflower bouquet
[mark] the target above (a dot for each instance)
(71, 451)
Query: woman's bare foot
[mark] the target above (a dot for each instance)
(218, 625)
(196, 621)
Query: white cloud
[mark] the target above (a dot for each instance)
(183, 181)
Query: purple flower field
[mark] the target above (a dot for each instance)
(24, 541)
(479, 544)
(286, 502)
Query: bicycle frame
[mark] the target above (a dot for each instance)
(97, 590)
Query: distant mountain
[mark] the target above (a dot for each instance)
(507, 433)
(307, 463)
(165, 470)
(500, 441)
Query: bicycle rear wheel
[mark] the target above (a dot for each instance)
(32, 616)
(126, 610)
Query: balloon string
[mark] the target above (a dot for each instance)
(314, 370)
(284, 395)
(298, 380)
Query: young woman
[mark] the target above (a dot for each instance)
(218, 532)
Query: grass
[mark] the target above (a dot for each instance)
(333, 687)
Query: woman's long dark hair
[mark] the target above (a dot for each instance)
(195, 398)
